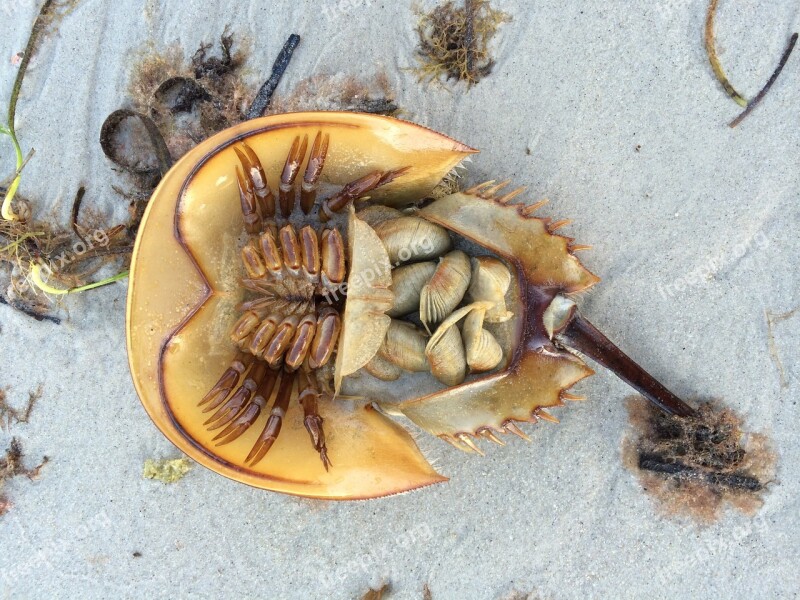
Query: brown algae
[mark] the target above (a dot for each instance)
(695, 465)
(454, 41)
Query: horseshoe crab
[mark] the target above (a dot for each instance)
(295, 290)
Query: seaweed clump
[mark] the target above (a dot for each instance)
(10, 415)
(454, 41)
(190, 100)
(31, 250)
(12, 465)
(11, 462)
(695, 465)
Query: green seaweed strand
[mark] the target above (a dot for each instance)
(716, 65)
(9, 129)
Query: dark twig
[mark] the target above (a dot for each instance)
(27, 311)
(760, 96)
(76, 209)
(264, 95)
(679, 470)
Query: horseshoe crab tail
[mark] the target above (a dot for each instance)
(579, 334)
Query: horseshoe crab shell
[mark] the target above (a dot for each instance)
(188, 286)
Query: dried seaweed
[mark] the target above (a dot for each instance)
(716, 65)
(695, 465)
(454, 41)
(12, 465)
(187, 100)
(10, 415)
(760, 96)
(29, 248)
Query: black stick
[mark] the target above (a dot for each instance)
(76, 209)
(264, 95)
(29, 312)
(757, 100)
(581, 335)
(679, 470)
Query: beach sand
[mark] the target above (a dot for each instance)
(607, 108)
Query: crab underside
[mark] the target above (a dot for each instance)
(298, 277)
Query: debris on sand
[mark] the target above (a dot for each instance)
(166, 471)
(695, 465)
(454, 41)
(12, 465)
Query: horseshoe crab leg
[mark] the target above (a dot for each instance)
(357, 189)
(226, 383)
(273, 426)
(247, 197)
(247, 417)
(584, 337)
(258, 180)
(241, 398)
(312, 420)
(308, 189)
(286, 191)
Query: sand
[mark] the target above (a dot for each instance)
(609, 109)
